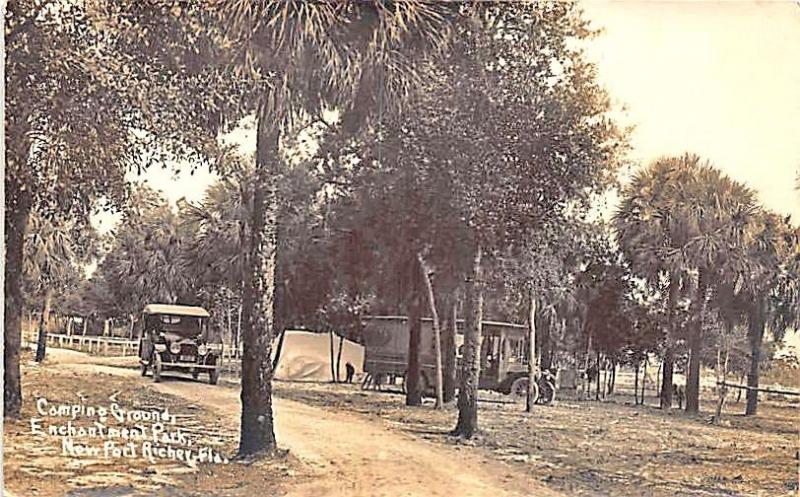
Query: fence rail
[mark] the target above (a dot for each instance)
(764, 390)
(108, 345)
(91, 344)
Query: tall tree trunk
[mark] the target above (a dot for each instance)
(588, 382)
(18, 208)
(427, 272)
(278, 350)
(530, 397)
(467, 423)
(696, 345)
(339, 359)
(597, 385)
(450, 352)
(644, 379)
(279, 305)
(612, 377)
(636, 384)
(669, 352)
(414, 367)
(257, 432)
(44, 319)
(332, 357)
(755, 335)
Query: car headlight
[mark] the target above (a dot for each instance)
(202, 349)
(175, 347)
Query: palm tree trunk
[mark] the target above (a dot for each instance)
(531, 393)
(755, 335)
(467, 423)
(257, 432)
(696, 345)
(437, 335)
(669, 351)
(41, 343)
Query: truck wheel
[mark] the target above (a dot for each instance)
(519, 390)
(213, 376)
(157, 368)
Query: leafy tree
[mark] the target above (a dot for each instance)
(514, 125)
(86, 101)
(341, 54)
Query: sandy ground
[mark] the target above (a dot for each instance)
(611, 448)
(35, 467)
(340, 453)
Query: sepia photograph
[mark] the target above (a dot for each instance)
(401, 248)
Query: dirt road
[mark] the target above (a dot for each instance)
(351, 455)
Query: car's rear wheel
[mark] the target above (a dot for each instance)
(157, 367)
(519, 390)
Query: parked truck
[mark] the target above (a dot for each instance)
(504, 361)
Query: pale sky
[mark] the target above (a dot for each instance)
(719, 79)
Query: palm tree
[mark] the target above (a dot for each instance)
(55, 252)
(351, 55)
(651, 239)
(771, 288)
(684, 221)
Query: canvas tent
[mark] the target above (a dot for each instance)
(306, 356)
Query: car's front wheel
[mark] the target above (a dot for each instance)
(157, 367)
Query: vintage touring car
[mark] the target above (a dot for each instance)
(178, 338)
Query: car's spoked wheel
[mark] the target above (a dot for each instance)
(519, 390)
(157, 368)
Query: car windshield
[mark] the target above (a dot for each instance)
(185, 326)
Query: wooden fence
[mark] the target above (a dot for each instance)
(109, 346)
(92, 344)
